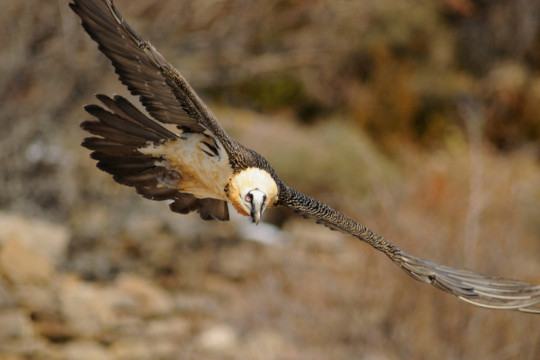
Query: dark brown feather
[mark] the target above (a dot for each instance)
(144, 178)
(184, 204)
(212, 209)
(139, 65)
(108, 146)
(124, 169)
(120, 124)
(126, 110)
(156, 193)
(100, 129)
(124, 131)
(115, 159)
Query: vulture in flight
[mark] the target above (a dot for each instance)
(201, 169)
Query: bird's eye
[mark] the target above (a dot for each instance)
(248, 198)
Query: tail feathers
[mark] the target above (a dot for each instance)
(156, 193)
(208, 209)
(184, 204)
(123, 130)
(211, 209)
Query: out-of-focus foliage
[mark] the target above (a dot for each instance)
(419, 118)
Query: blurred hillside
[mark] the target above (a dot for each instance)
(420, 119)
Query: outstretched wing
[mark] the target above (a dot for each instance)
(472, 287)
(121, 134)
(161, 88)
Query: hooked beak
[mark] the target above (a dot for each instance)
(256, 211)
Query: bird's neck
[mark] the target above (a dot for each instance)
(313, 209)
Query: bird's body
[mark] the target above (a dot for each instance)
(203, 170)
(200, 168)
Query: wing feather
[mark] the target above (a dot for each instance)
(162, 90)
(472, 287)
(125, 131)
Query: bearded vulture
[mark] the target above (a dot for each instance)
(201, 169)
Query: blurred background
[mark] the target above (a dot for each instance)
(420, 119)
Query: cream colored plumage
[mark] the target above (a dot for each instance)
(201, 175)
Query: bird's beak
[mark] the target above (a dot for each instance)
(256, 211)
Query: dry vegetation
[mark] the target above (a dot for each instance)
(418, 118)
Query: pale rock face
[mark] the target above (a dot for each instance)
(44, 238)
(218, 338)
(23, 266)
(131, 349)
(85, 307)
(14, 324)
(86, 350)
(174, 328)
(37, 299)
(266, 345)
(151, 300)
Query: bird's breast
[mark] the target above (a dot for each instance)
(204, 169)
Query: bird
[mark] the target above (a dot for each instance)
(198, 168)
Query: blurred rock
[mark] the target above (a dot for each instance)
(97, 264)
(131, 326)
(30, 348)
(152, 300)
(174, 328)
(195, 303)
(11, 357)
(5, 297)
(218, 338)
(118, 300)
(85, 307)
(143, 227)
(265, 345)
(47, 239)
(54, 329)
(313, 237)
(40, 300)
(165, 349)
(23, 266)
(237, 262)
(14, 324)
(131, 349)
(86, 350)
(376, 356)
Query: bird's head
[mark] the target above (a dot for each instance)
(254, 203)
(252, 191)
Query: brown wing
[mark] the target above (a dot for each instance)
(472, 287)
(162, 90)
(120, 135)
